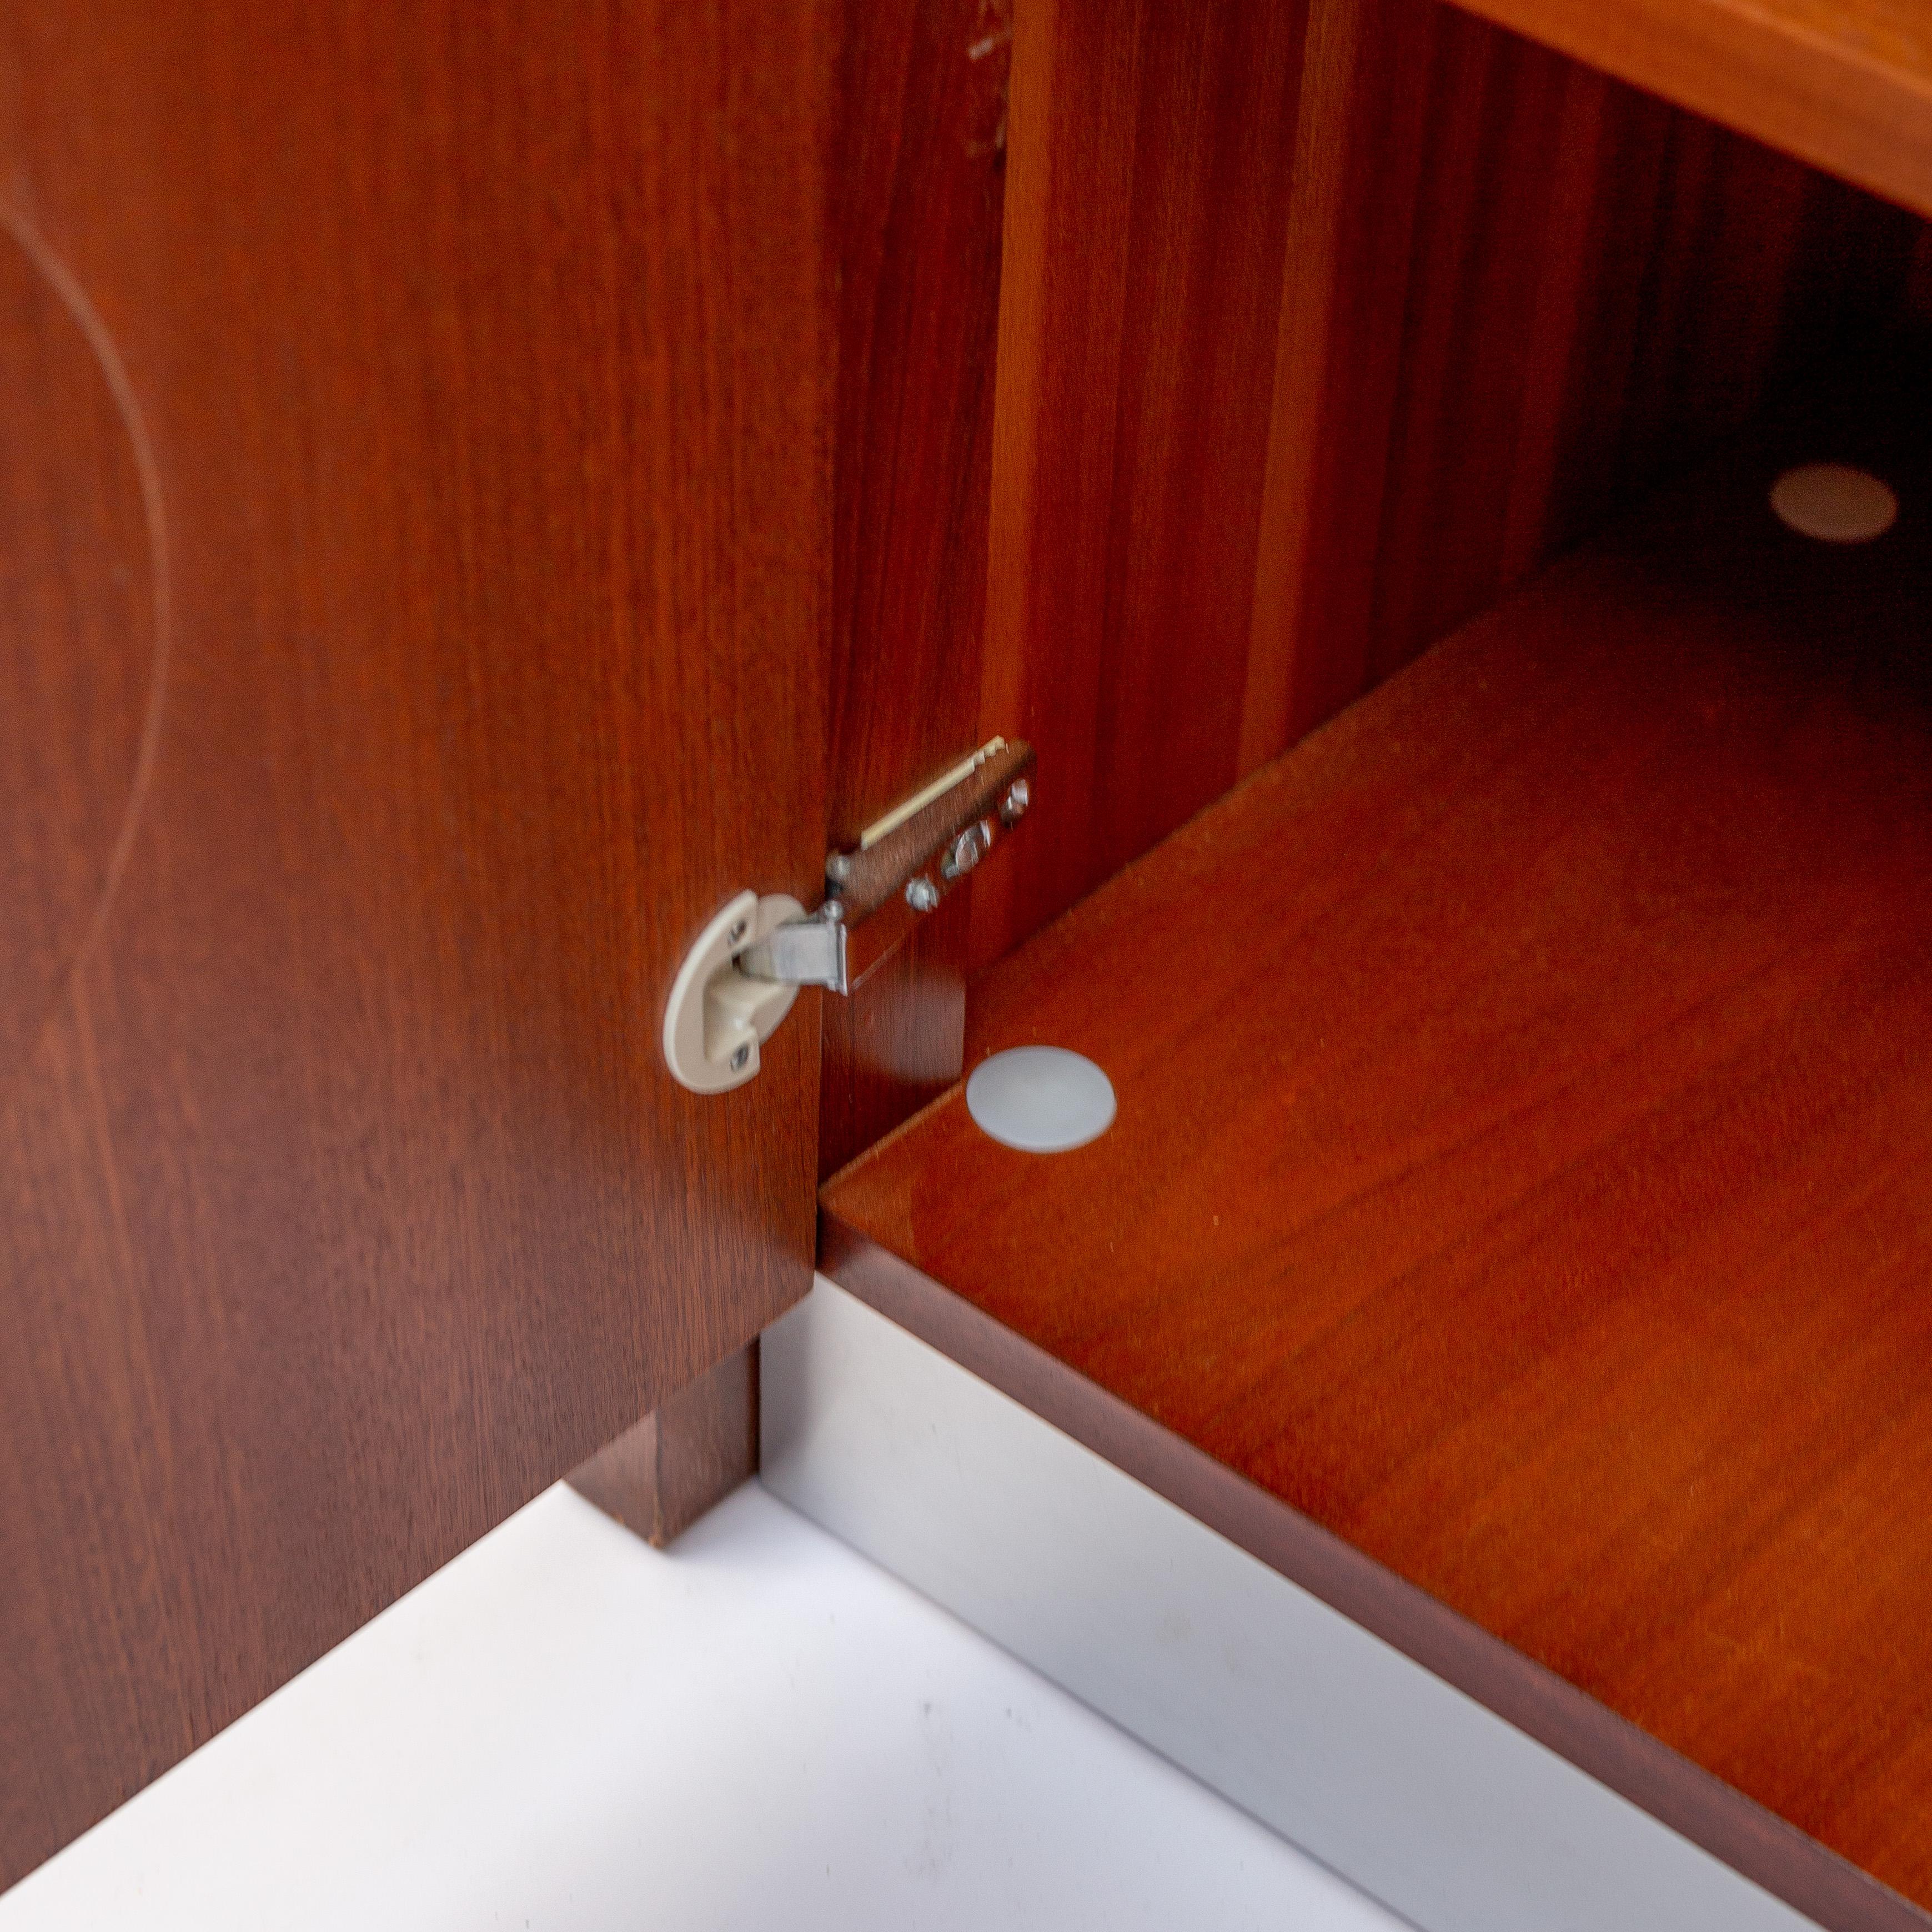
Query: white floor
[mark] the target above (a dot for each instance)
(565, 1732)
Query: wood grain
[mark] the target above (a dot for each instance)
(899, 1040)
(82, 581)
(918, 181)
(1521, 1166)
(1146, 210)
(1255, 450)
(684, 1458)
(1846, 85)
(482, 358)
(1519, 295)
(920, 187)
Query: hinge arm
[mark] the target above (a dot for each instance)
(803, 952)
(908, 860)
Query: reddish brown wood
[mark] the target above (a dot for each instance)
(1519, 295)
(919, 182)
(686, 1457)
(82, 569)
(1256, 449)
(920, 185)
(1846, 85)
(1150, 149)
(900, 1040)
(417, 422)
(1523, 1167)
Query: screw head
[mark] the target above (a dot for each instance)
(922, 894)
(1013, 806)
(838, 866)
(741, 1059)
(964, 854)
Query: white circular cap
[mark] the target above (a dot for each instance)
(1834, 503)
(1041, 1099)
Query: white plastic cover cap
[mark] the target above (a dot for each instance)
(1834, 503)
(1040, 1099)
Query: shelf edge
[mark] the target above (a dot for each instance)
(1814, 95)
(1712, 1815)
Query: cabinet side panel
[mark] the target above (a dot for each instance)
(920, 186)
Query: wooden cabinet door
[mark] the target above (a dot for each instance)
(414, 518)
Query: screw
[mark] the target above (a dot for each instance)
(832, 912)
(964, 856)
(839, 867)
(1012, 807)
(738, 931)
(922, 894)
(741, 1060)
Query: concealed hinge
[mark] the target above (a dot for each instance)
(914, 856)
(920, 850)
(739, 979)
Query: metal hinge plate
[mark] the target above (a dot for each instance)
(739, 980)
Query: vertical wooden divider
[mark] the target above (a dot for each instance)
(1151, 154)
(919, 181)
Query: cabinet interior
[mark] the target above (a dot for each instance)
(1485, 845)
(1315, 341)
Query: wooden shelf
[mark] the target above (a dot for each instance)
(1522, 1189)
(1846, 85)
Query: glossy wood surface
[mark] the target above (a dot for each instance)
(1521, 1169)
(918, 179)
(1255, 450)
(414, 525)
(920, 185)
(1846, 85)
(83, 564)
